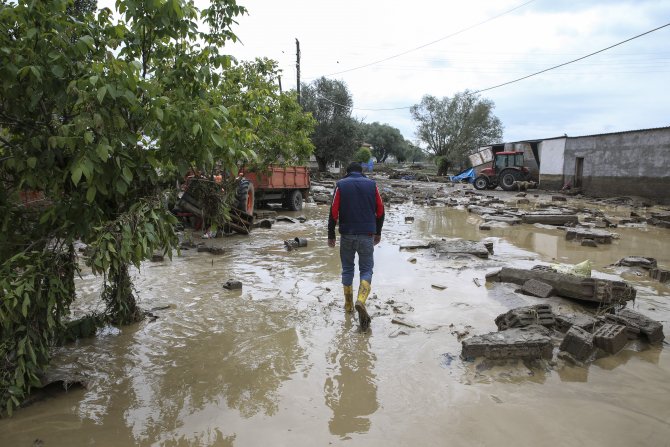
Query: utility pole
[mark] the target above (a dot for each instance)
(297, 67)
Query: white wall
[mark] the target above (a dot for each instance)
(552, 156)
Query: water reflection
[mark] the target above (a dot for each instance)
(350, 388)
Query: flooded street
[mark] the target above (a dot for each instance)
(279, 363)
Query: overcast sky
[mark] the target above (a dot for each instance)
(625, 88)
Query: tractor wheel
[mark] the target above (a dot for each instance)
(294, 201)
(508, 177)
(245, 197)
(481, 182)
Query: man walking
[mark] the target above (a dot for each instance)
(359, 210)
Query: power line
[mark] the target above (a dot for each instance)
(572, 61)
(533, 74)
(433, 42)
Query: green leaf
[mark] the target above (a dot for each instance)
(159, 113)
(88, 137)
(103, 152)
(32, 162)
(88, 40)
(127, 174)
(26, 303)
(93, 80)
(196, 129)
(57, 70)
(101, 93)
(76, 174)
(217, 139)
(36, 73)
(90, 194)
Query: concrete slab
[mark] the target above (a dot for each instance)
(460, 247)
(600, 236)
(537, 288)
(550, 219)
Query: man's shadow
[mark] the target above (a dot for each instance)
(350, 389)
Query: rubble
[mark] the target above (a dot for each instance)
(638, 324)
(611, 338)
(540, 314)
(637, 261)
(578, 343)
(659, 274)
(599, 236)
(550, 219)
(460, 246)
(537, 288)
(531, 342)
(602, 291)
(232, 284)
(583, 321)
(589, 243)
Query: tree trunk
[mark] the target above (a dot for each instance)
(323, 165)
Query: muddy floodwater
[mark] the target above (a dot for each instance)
(278, 363)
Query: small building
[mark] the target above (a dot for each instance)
(630, 163)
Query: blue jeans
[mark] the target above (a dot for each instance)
(350, 244)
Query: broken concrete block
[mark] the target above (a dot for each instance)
(600, 236)
(157, 257)
(652, 330)
(565, 321)
(511, 220)
(537, 288)
(532, 342)
(203, 249)
(589, 243)
(216, 250)
(522, 201)
(558, 199)
(484, 227)
(539, 314)
(263, 223)
(409, 219)
(578, 343)
(569, 286)
(550, 219)
(460, 247)
(659, 274)
(637, 261)
(232, 284)
(611, 338)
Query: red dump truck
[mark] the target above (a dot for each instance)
(287, 185)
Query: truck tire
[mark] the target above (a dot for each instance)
(481, 182)
(294, 202)
(508, 177)
(245, 198)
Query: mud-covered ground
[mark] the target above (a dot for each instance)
(279, 363)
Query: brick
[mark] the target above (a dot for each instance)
(659, 274)
(582, 321)
(578, 343)
(611, 338)
(525, 316)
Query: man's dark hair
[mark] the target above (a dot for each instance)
(354, 166)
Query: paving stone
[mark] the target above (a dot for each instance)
(611, 338)
(578, 343)
(537, 288)
(532, 342)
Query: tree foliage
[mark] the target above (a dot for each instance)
(452, 127)
(336, 133)
(94, 116)
(362, 155)
(386, 140)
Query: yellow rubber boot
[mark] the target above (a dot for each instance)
(363, 317)
(348, 299)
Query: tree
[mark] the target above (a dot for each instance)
(94, 116)
(363, 155)
(452, 127)
(385, 140)
(411, 153)
(336, 133)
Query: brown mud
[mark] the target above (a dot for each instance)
(279, 363)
